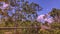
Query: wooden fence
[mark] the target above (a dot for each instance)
(15, 29)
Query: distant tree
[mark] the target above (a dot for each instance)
(55, 13)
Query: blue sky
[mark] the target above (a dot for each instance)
(47, 5)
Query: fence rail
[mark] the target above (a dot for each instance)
(17, 27)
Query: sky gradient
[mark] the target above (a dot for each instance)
(47, 5)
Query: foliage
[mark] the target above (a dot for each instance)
(25, 16)
(55, 12)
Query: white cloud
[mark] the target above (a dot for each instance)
(47, 18)
(41, 19)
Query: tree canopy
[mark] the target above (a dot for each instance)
(56, 14)
(23, 10)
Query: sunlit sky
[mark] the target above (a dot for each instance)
(47, 5)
